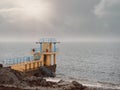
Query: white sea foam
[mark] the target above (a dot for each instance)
(96, 85)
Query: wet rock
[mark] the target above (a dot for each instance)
(29, 78)
(50, 84)
(42, 72)
(61, 81)
(7, 76)
(43, 82)
(22, 84)
(63, 84)
(1, 66)
(39, 74)
(18, 74)
(47, 72)
(9, 88)
(34, 81)
(37, 81)
(69, 87)
(22, 80)
(52, 68)
(78, 85)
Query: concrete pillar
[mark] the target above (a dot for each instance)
(25, 67)
(48, 60)
(54, 47)
(38, 64)
(40, 47)
(33, 65)
(42, 63)
(30, 66)
(54, 58)
(50, 47)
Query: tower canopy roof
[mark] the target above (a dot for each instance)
(47, 40)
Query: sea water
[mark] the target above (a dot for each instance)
(88, 63)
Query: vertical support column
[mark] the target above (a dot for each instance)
(50, 47)
(33, 65)
(17, 61)
(41, 64)
(40, 47)
(42, 60)
(54, 47)
(48, 60)
(30, 66)
(54, 59)
(37, 64)
(25, 67)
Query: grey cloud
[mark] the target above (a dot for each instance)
(108, 12)
(106, 8)
(69, 18)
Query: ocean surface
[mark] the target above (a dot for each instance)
(96, 63)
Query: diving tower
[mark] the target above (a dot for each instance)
(45, 55)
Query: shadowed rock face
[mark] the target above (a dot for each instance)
(14, 80)
(9, 88)
(45, 72)
(20, 80)
(1, 65)
(48, 71)
(9, 76)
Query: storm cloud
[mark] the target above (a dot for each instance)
(69, 20)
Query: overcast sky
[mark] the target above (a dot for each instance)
(68, 20)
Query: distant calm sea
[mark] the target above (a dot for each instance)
(85, 62)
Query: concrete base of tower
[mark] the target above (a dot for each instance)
(44, 71)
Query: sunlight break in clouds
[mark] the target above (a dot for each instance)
(37, 9)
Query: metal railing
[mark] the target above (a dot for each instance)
(17, 60)
(48, 40)
(33, 65)
(53, 50)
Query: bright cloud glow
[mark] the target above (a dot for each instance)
(28, 9)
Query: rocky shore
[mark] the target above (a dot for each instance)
(14, 80)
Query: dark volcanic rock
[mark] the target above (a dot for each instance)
(9, 76)
(44, 72)
(61, 81)
(22, 80)
(38, 81)
(78, 85)
(47, 71)
(52, 68)
(33, 81)
(1, 65)
(70, 86)
(9, 88)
